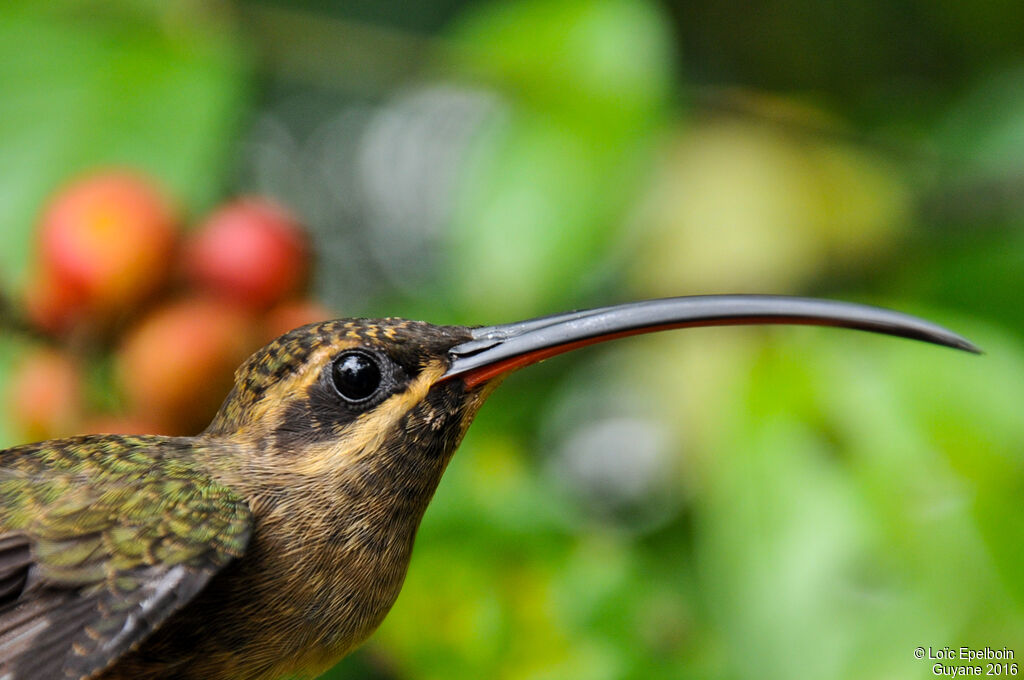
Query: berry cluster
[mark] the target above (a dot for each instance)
(126, 303)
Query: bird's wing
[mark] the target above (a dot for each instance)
(101, 539)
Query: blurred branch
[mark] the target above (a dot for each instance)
(950, 200)
(12, 321)
(991, 201)
(789, 116)
(339, 54)
(335, 53)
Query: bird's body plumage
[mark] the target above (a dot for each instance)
(223, 511)
(276, 541)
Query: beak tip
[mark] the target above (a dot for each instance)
(954, 341)
(969, 346)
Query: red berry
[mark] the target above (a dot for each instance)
(251, 251)
(107, 241)
(177, 365)
(45, 395)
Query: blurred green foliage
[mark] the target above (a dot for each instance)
(826, 502)
(546, 189)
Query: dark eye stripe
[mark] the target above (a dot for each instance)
(352, 383)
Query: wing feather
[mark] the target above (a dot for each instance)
(101, 539)
(15, 559)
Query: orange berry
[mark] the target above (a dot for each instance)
(45, 395)
(292, 314)
(108, 239)
(114, 424)
(177, 365)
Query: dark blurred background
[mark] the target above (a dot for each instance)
(728, 503)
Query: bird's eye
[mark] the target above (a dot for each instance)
(356, 375)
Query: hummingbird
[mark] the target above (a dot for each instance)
(275, 542)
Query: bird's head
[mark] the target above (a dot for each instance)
(329, 394)
(397, 395)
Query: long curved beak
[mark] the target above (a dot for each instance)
(495, 350)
